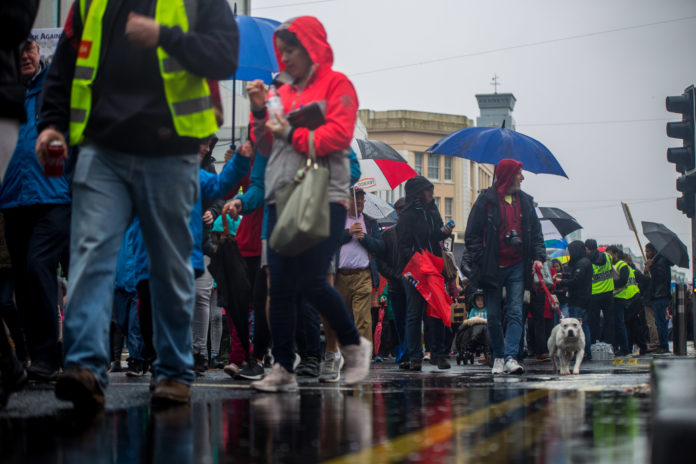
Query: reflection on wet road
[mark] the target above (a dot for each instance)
(395, 418)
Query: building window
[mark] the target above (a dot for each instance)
(448, 209)
(433, 166)
(437, 202)
(419, 164)
(448, 168)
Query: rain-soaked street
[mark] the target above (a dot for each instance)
(460, 415)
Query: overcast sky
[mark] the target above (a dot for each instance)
(590, 80)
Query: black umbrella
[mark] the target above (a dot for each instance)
(562, 221)
(666, 243)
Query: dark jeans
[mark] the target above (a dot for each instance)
(620, 335)
(308, 330)
(145, 318)
(257, 279)
(660, 309)
(398, 304)
(602, 303)
(416, 309)
(9, 313)
(125, 314)
(36, 237)
(305, 274)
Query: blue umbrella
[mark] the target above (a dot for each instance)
(492, 144)
(257, 59)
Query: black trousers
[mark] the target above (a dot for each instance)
(37, 237)
(602, 328)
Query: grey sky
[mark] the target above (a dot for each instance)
(590, 80)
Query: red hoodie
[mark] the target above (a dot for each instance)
(325, 84)
(510, 214)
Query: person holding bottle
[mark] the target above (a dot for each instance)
(305, 59)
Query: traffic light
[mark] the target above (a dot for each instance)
(684, 157)
(687, 185)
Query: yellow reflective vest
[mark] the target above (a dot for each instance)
(188, 95)
(631, 288)
(602, 279)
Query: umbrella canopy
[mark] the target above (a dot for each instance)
(666, 243)
(376, 208)
(492, 144)
(257, 59)
(562, 221)
(381, 167)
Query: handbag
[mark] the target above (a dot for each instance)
(303, 209)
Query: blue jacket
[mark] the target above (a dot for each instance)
(24, 183)
(126, 266)
(210, 186)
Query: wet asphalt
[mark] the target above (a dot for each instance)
(463, 414)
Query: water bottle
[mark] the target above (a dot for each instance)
(273, 103)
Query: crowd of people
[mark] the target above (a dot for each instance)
(159, 249)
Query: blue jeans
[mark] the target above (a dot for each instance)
(416, 313)
(660, 310)
(126, 316)
(620, 335)
(512, 278)
(398, 304)
(305, 274)
(581, 313)
(109, 188)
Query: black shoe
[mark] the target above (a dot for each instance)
(268, 360)
(308, 367)
(14, 375)
(415, 365)
(42, 372)
(588, 356)
(405, 365)
(136, 368)
(252, 371)
(216, 363)
(200, 364)
(442, 363)
(116, 366)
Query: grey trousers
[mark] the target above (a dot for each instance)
(215, 325)
(201, 312)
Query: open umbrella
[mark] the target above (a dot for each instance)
(376, 208)
(492, 144)
(666, 243)
(257, 59)
(381, 167)
(562, 221)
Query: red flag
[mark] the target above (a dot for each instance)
(424, 271)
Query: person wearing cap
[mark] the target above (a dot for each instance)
(660, 292)
(601, 314)
(36, 209)
(420, 228)
(356, 275)
(504, 242)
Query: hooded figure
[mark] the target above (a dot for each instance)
(578, 276)
(333, 92)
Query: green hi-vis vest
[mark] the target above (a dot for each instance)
(631, 288)
(602, 279)
(188, 96)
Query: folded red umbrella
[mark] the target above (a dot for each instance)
(424, 271)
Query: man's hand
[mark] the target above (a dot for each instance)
(47, 136)
(233, 208)
(228, 155)
(447, 230)
(257, 94)
(208, 217)
(538, 264)
(142, 31)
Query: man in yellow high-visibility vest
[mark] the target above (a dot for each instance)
(127, 83)
(601, 314)
(625, 294)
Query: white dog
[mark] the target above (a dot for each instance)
(567, 339)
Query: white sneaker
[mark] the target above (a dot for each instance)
(498, 366)
(357, 360)
(513, 367)
(278, 380)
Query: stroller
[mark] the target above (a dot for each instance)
(472, 340)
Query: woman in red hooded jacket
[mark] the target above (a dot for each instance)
(305, 59)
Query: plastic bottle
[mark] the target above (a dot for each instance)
(273, 103)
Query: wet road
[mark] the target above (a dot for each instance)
(461, 415)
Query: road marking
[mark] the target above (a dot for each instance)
(399, 448)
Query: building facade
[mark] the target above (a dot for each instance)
(457, 181)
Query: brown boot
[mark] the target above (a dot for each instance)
(79, 385)
(170, 392)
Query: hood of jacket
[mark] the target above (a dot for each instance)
(312, 35)
(505, 173)
(576, 251)
(414, 186)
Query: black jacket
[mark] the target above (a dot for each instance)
(577, 276)
(129, 109)
(482, 239)
(388, 262)
(16, 19)
(419, 229)
(661, 278)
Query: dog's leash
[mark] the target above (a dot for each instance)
(552, 301)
